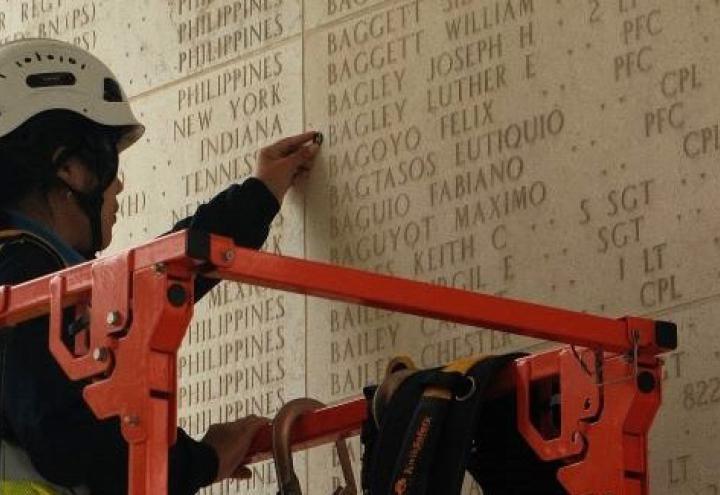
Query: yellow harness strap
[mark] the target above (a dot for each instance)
(25, 488)
(462, 365)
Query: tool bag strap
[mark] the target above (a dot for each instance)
(425, 435)
(461, 426)
(426, 430)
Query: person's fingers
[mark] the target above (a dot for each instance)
(289, 144)
(232, 442)
(246, 427)
(250, 418)
(249, 427)
(257, 419)
(311, 162)
(242, 473)
(299, 157)
(253, 418)
(253, 425)
(301, 172)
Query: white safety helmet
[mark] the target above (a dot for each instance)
(37, 75)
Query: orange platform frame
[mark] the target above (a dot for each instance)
(140, 303)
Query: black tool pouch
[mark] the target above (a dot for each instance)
(438, 439)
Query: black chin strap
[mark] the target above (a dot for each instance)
(101, 153)
(91, 204)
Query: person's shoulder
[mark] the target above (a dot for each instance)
(23, 258)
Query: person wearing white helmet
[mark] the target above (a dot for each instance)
(63, 121)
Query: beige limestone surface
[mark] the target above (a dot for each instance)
(558, 151)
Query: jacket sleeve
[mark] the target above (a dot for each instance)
(44, 412)
(243, 212)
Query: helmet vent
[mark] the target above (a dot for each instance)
(37, 55)
(28, 60)
(2, 76)
(112, 91)
(50, 79)
(51, 57)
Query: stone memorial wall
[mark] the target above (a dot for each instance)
(558, 151)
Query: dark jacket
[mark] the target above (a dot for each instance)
(44, 413)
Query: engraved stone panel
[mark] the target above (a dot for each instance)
(684, 445)
(161, 42)
(327, 11)
(513, 147)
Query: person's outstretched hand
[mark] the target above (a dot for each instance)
(231, 442)
(283, 163)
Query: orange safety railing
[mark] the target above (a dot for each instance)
(141, 301)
